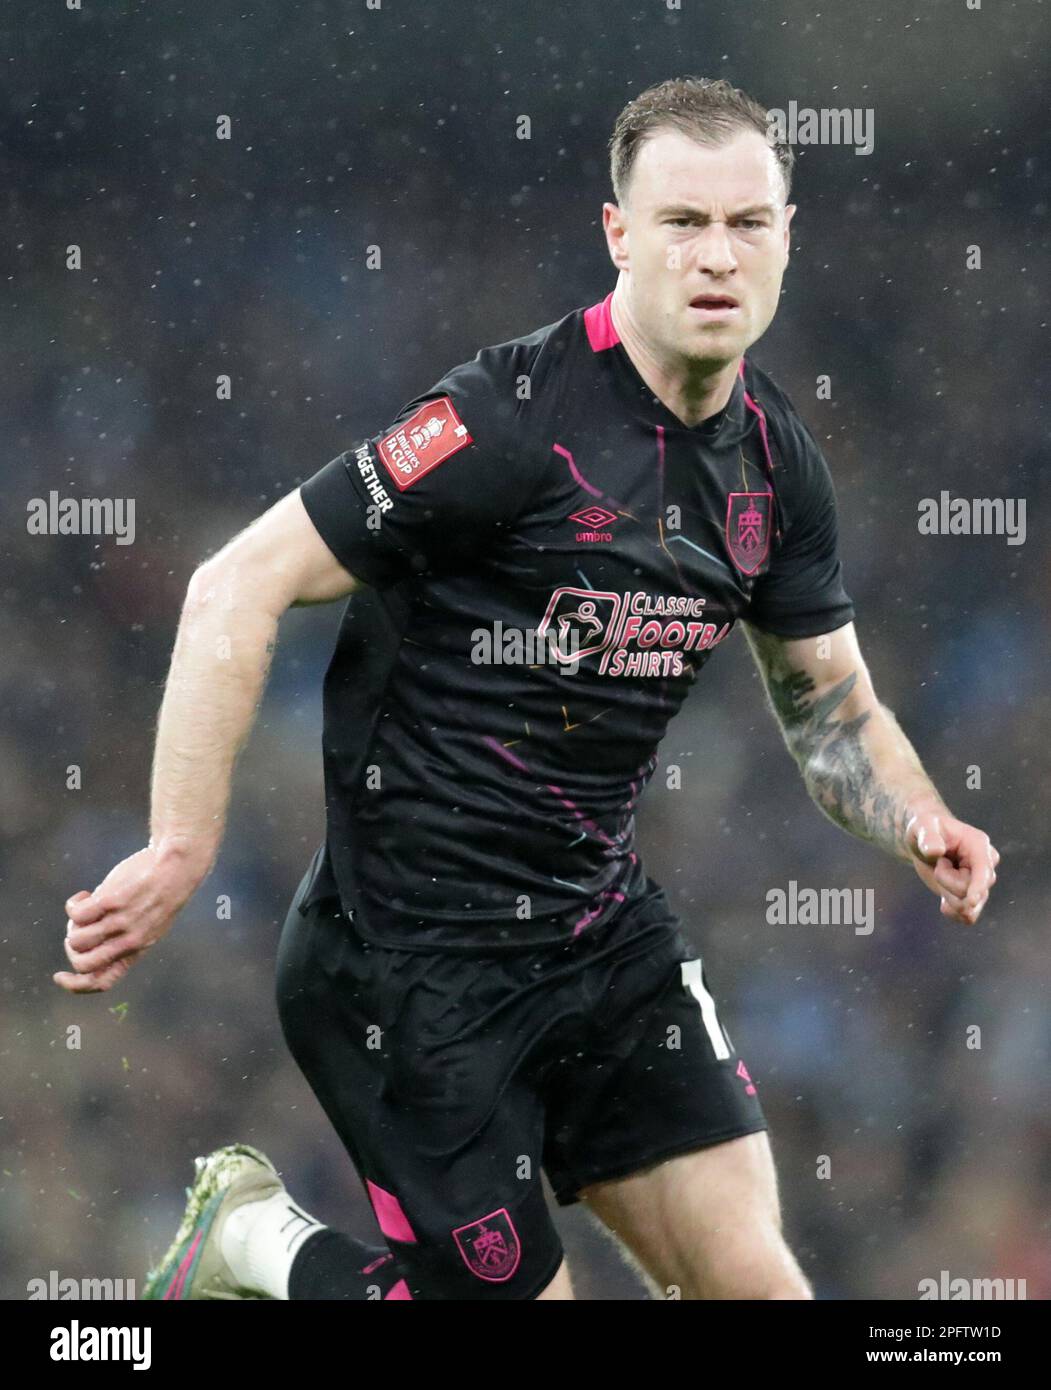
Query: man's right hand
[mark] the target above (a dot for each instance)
(130, 910)
(209, 704)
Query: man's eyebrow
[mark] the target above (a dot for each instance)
(687, 210)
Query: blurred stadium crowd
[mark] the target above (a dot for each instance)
(248, 257)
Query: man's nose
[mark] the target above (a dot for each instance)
(715, 252)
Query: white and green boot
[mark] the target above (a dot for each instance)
(193, 1266)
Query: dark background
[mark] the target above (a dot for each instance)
(396, 127)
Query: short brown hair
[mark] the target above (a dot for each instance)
(707, 109)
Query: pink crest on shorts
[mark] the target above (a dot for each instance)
(490, 1246)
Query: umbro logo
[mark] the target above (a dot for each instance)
(593, 520)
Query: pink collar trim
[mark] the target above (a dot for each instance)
(598, 324)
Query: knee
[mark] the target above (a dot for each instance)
(751, 1285)
(560, 1286)
(794, 1286)
(757, 1266)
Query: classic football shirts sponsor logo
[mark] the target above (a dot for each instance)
(423, 441)
(637, 633)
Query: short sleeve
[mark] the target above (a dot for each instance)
(802, 593)
(438, 484)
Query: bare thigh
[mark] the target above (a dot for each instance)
(706, 1224)
(560, 1286)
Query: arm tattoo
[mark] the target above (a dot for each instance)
(832, 754)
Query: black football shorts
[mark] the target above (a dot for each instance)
(454, 1079)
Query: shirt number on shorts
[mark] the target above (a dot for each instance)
(693, 979)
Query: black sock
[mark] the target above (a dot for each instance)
(331, 1265)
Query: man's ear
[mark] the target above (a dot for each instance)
(615, 226)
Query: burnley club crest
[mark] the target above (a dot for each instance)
(748, 528)
(490, 1246)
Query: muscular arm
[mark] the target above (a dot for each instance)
(226, 638)
(861, 769)
(223, 649)
(857, 764)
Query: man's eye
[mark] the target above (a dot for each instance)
(750, 224)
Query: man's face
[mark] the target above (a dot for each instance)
(703, 237)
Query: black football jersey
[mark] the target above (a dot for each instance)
(550, 557)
